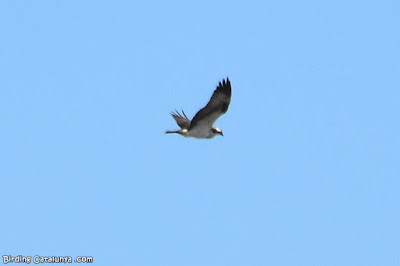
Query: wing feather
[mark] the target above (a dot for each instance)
(217, 106)
(182, 120)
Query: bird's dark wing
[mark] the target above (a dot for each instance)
(182, 120)
(217, 106)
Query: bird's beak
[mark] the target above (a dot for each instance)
(222, 134)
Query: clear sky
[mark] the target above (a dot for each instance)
(308, 170)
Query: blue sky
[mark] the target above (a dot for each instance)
(307, 172)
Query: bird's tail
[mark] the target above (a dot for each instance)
(172, 131)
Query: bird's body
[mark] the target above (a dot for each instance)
(201, 126)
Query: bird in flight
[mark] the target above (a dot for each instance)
(201, 126)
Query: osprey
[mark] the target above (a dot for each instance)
(201, 126)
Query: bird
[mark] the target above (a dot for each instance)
(201, 126)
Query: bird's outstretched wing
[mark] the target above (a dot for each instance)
(217, 106)
(182, 120)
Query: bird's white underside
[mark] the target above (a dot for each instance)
(200, 133)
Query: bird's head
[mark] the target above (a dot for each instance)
(217, 130)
